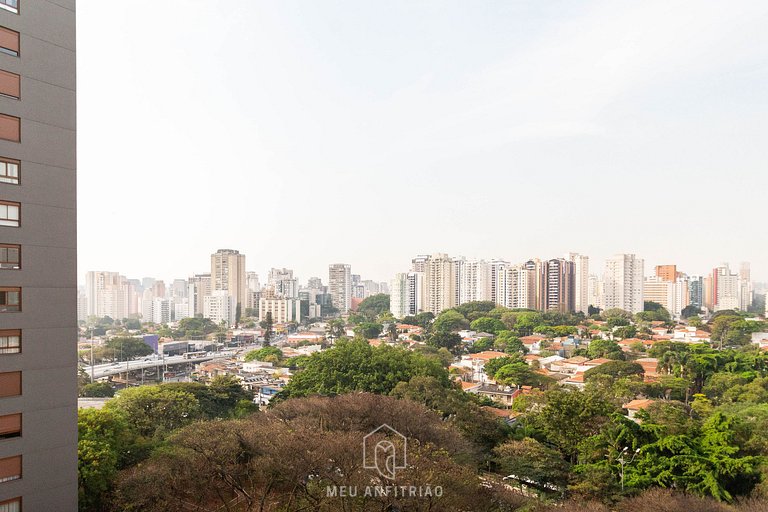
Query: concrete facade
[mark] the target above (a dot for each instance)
(47, 236)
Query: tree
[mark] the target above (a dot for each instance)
(264, 353)
(690, 310)
(105, 444)
(267, 324)
(487, 324)
(281, 460)
(353, 365)
(520, 374)
(530, 461)
(604, 348)
(444, 339)
(493, 365)
(123, 349)
(98, 389)
(335, 328)
(616, 370)
(155, 410)
(569, 417)
(481, 345)
(373, 306)
(450, 320)
(368, 330)
(506, 341)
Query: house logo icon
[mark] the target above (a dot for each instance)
(384, 449)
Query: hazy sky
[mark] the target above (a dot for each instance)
(366, 132)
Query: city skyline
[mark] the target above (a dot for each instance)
(379, 132)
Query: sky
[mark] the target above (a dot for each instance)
(304, 133)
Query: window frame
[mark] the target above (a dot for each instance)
(4, 306)
(15, 75)
(14, 10)
(10, 333)
(12, 434)
(5, 177)
(21, 469)
(12, 501)
(21, 383)
(12, 118)
(5, 262)
(6, 219)
(9, 51)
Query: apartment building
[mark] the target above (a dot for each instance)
(38, 246)
(580, 281)
(228, 274)
(623, 283)
(340, 286)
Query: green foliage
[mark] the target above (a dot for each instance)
(156, 410)
(373, 306)
(267, 325)
(456, 407)
(616, 370)
(444, 339)
(506, 341)
(368, 330)
(194, 328)
(604, 348)
(493, 365)
(98, 389)
(487, 324)
(481, 345)
(124, 349)
(356, 366)
(263, 353)
(533, 462)
(450, 320)
(690, 311)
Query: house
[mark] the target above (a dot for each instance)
(532, 343)
(636, 405)
(650, 365)
(477, 363)
(504, 395)
(690, 334)
(576, 380)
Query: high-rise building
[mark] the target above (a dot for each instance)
(497, 271)
(283, 282)
(745, 286)
(580, 281)
(474, 280)
(199, 288)
(440, 283)
(696, 291)
(38, 276)
(623, 283)
(228, 274)
(340, 286)
(220, 306)
(560, 289)
(724, 288)
(595, 291)
(407, 294)
(282, 309)
(667, 273)
(108, 294)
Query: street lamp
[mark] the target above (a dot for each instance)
(621, 459)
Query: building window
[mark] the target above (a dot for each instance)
(10, 213)
(10, 299)
(13, 6)
(10, 256)
(9, 170)
(10, 341)
(10, 468)
(10, 83)
(10, 128)
(10, 384)
(10, 426)
(13, 505)
(9, 41)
